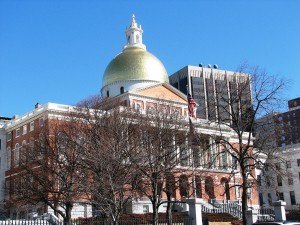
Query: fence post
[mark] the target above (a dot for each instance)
(279, 210)
(251, 216)
(195, 210)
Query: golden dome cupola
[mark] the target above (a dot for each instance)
(134, 67)
(134, 35)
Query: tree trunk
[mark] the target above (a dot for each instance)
(169, 210)
(244, 199)
(155, 212)
(69, 207)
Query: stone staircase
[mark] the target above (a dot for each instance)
(233, 208)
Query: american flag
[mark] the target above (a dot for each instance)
(191, 106)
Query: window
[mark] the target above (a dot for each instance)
(151, 109)
(17, 132)
(298, 162)
(277, 165)
(9, 136)
(121, 90)
(17, 155)
(8, 158)
(237, 190)
(23, 151)
(280, 196)
(299, 175)
(288, 164)
(31, 126)
(270, 199)
(279, 180)
(107, 93)
(293, 199)
(261, 199)
(290, 181)
(24, 129)
(137, 38)
(145, 208)
(137, 106)
(41, 121)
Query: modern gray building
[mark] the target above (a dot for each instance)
(220, 94)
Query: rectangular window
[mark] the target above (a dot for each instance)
(17, 132)
(145, 208)
(9, 136)
(24, 129)
(261, 199)
(41, 121)
(293, 199)
(290, 181)
(31, 128)
(279, 180)
(288, 164)
(298, 162)
(281, 196)
(270, 199)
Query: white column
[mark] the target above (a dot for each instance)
(195, 210)
(279, 209)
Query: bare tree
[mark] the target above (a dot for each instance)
(105, 135)
(249, 98)
(157, 154)
(50, 169)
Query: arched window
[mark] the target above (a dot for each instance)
(170, 185)
(23, 151)
(184, 157)
(62, 144)
(225, 184)
(128, 39)
(17, 155)
(121, 90)
(31, 154)
(8, 158)
(137, 38)
(198, 187)
(107, 93)
(184, 186)
(209, 187)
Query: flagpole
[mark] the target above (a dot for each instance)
(192, 150)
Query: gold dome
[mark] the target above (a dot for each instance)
(135, 64)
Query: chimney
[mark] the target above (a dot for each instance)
(37, 105)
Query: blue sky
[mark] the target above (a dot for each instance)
(57, 51)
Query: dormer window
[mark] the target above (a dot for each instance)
(121, 90)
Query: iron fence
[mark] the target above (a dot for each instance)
(182, 220)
